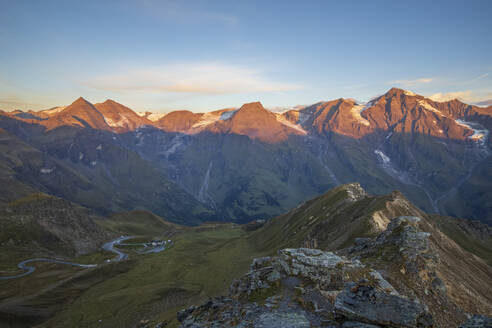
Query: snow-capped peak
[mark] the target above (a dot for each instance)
(151, 116)
(54, 110)
(212, 117)
(284, 121)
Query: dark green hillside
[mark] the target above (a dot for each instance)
(333, 220)
(91, 168)
(40, 225)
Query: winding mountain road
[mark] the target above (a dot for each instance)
(30, 269)
(109, 246)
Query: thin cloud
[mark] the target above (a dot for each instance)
(478, 78)
(11, 102)
(203, 78)
(422, 80)
(461, 95)
(484, 103)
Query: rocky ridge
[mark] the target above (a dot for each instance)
(303, 287)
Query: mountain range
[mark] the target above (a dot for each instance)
(246, 163)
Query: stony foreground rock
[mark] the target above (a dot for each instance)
(305, 287)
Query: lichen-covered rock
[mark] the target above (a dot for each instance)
(353, 324)
(361, 302)
(308, 288)
(478, 321)
(408, 242)
(277, 319)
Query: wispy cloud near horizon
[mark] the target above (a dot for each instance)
(203, 78)
(467, 96)
(423, 80)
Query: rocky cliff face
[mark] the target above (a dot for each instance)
(355, 287)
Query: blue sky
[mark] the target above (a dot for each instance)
(204, 55)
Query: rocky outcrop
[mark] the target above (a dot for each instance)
(302, 287)
(478, 321)
(367, 304)
(309, 288)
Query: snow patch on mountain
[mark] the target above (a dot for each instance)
(155, 116)
(284, 121)
(479, 133)
(428, 106)
(203, 192)
(356, 111)
(175, 143)
(46, 171)
(303, 117)
(121, 123)
(151, 116)
(227, 115)
(392, 170)
(282, 110)
(54, 110)
(206, 119)
(408, 93)
(210, 118)
(382, 156)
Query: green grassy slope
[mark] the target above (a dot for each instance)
(333, 220)
(40, 225)
(473, 236)
(202, 263)
(139, 223)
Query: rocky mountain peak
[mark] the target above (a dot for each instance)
(397, 92)
(111, 101)
(250, 112)
(255, 121)
(354, 191)
(255, 106)
(81, 101)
